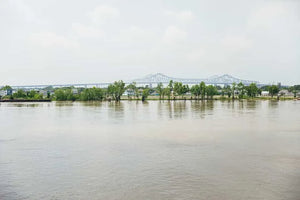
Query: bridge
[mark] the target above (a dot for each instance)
(151, 80)
(214, 80)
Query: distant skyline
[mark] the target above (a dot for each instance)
(72, 41)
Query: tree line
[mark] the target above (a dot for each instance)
(173, 91)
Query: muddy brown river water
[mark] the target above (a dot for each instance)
(153, 150)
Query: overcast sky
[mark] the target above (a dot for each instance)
(75, 41)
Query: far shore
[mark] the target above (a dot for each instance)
(156, 98)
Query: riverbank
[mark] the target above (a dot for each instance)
(217, 97)
(156, 98)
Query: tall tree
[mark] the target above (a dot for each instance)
(167, 92)
(273, 90)
(116, 90)
(64, 94)
(202, 90)
(233, 88)
(227, 90)
(185, 90)
(131, 88)
(160, 90)
(20, 94)
(293, 89)
(241, 90)
(211, 91)
(180, 89)
(195, 90)
(252, 90)
(145, 94)
(171, 86)
(92, 94)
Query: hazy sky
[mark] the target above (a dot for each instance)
(75, 41)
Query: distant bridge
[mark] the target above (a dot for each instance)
(215, 80)
(78, 85)
(151, 80)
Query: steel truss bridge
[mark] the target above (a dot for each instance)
(151, 80)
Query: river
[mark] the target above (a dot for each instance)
(152, 150)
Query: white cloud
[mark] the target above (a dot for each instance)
(268, 15)
(102, 13)
(23, 10)
(195, 56)
(135, 33)
(49, 39)
(174, 34)
(236, 42)
(181, 15)
(87, 31)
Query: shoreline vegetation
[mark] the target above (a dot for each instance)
(154, 98)
(117, 91)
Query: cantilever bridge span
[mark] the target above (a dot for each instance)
(153, 80)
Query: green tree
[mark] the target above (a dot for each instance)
(137, 92)
(241, 90)
(293, 89)
(259, 91)
(20, 94)
(196, 91)
(180, 89)
(38, 96)
(145, 94)
(48, 94)
(7, 87)
(60, 95)
(167, 92)
(233, 88)
(64, 94)
(116, 90)
(252, 90)
(227, 90)
(211, 91)
(131, 88)
(202, 90)
(69, 95)
(31, 94)
(185, 89)
(34, 95)
(92, 94)
(160, 90)
(171, 85)
(273, 90)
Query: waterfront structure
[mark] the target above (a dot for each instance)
(6, 92)
(265, 93)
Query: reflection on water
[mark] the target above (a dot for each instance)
(64, 103)
(116, 110)
(150, 150)
(22, 104)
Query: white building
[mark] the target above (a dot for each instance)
(285, 93)
(264, 93)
